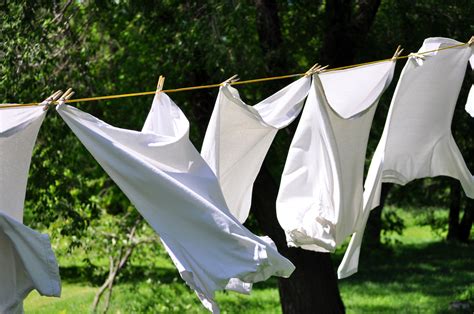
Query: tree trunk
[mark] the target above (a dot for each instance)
(312, 288)
(373, 231)
(269, 32)
(115, 266)
(454, 208)
(339, 45)
(466, 221)
(346, 29)
(313, 285)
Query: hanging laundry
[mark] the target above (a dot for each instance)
(18, 131)
(321, 190)
(26, 259)
(238, 138)
(470, 98)
(27, 262)
(174, 189)
(417, 141)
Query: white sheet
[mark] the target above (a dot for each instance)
(174, 189)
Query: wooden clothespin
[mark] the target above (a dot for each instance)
(417, 55)
(50, 99)
(397, 53)
(64, 97)
(471, 41)
(418, 58)
(315, 69)
(230, 80)
(160, 84)
(67, 94)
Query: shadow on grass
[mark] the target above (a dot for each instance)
(134, 274)
(130, 274)
(415, 276)
(440, 270)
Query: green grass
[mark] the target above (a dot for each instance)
(76, 298)
(417, 278)
(418, 273)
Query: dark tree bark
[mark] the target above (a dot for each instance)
(454, 209)
(269, 32)
(346, 30)
(313, 285)
(459, 230)
(319, 293)
(339, 44)
(373, 230)
(466, 222)
(347, 27)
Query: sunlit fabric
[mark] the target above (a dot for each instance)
(417, 141)
(321, 193)
(174, 189)
(26, 259)
(238, 138)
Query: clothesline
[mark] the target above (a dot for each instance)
(182, 89)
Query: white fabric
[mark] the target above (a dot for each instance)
(470, 98)
(26, 263)
(174, 189)
(238, 138)
(321, 190)
(18, 131)
(26, 259)
(417, 140)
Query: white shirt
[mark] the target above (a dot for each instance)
(174, 189)
(238, 138)
(417, 141)
(26, 259)
(321, 192)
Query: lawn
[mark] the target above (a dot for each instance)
(418, 273)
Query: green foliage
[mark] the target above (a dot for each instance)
(435, 218)
(111, 47)
(392, 223)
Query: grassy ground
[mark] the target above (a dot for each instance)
(419, 274)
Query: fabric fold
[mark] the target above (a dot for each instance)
(321, 193)
(417, 141)
(27, 261)
(19, 128)
(174, 189)
(238, 138)
(470, 98)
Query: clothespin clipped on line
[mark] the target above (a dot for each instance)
(471, 41)
(50, 99)
(230, 80)
(418, 58)
(417, 55)
(160, 84)
(64, 97)
(397, 53)
(315, 69)
(67, 94)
